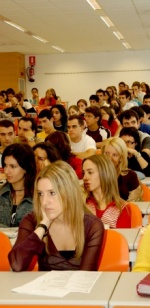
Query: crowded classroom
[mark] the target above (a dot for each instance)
(74, 156)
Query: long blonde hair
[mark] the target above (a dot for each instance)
(66, 186)
(108, 178)
(120, 146)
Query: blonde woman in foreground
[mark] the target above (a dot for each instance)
(102, 195)
(58, 232)
(128, 182)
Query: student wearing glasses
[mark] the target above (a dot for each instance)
(82, 145)
(138, 159)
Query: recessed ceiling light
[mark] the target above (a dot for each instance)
(118, 35)
(94, 4)
(126, 45)
(58, 48)
(107, 21)
(15, 25)
(40, 39)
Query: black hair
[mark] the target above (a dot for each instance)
(24, 156)
(78, 118)
(132, 131)
(126, 93)
(50, 149)
(122, 82)
(62, 111)
(94, 97)
(33, 123)
(61, 141)
(146, 108)
(6, 123)
(10, 91)
(109, 112)
(139, 111)
(34, 89)
(45, 113)
(95, 110)
(146, 96)
(128, 114)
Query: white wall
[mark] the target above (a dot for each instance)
(75, 76)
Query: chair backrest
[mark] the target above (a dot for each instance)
(136, 215)
(5, 247)
(146, 192)
(114, 255)
(98, 151)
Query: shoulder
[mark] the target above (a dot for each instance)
(27, 105)
(143, 135)
(28, 219)
(130, 175)
(17, 140)
(89, 140)
(92, 220)
(5, 189)
(74, 160)
(104, 132)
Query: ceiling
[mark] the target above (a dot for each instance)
(74, 26)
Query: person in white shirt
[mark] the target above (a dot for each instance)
(34, 100)
(125, 99)
(137, 93)
(82, 145)
(100, 93)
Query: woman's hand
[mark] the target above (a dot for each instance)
(45, 220)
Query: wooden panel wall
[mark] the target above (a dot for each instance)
(12, 67)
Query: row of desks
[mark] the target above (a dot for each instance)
(111, 290)
(146, 181)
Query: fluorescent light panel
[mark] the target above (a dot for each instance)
(94, 4)
(58, 48)
(40, 39)
(15, 25)
(126, 45)
(118, 35)
(107, 21)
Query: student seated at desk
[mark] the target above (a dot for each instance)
(137, 160)
(128, 183)
(16, 195)
(58, 231)
(100, 183)
(142, 263)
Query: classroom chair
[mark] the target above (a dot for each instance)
(146, 192)
(98, 151)
(33, 265)
(5, 247)
(136, 215)
(114, 255)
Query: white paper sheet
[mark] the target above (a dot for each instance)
(10, 232)
(60, 283)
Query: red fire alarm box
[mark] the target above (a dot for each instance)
(32, 60)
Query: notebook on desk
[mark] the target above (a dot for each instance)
(143, 287)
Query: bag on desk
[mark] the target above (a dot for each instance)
(143, 287)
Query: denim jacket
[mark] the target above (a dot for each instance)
(25, 207)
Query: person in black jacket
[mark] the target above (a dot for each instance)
(138, 159)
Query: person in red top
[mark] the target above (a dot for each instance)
(49, 99)
(101, 190)
(108, 120)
